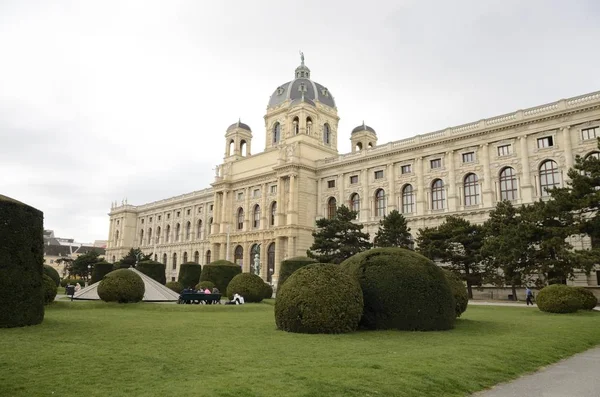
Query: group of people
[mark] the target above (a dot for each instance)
(192, 290)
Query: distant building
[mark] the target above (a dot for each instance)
(56, 248)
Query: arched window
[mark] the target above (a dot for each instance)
(359, 146)
(273, 213)
(177, 232)
(408, 200)
(238, 255)
(276, 132)
(113, 259)
(308, 126)
(380, 202)
(158, 230)
(326, 134)
(595, 155)
(243, 148)
(167, 233)
(471, 186)
(296, 125)
(508, 184)
(142, 237)
(188, 230)
(549, 176)
(117, 237)
(438, 198)
(256, 217)
(207, 257)
(199, 230)
(165, 259)
(355, 202)
(185, 257)
(155, 257)
(174, 261)
(270, 262)
(240, 219)
(370, 145)
(331, 208)
(197, 257)
(210, 222)
(230, 148)
(149, 236)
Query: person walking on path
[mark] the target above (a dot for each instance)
(529, 295)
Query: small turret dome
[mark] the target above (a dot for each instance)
(363, 127)
(239, 124)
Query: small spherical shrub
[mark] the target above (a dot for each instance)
(289, 266)
(220, 273)
(52, 273)
(154, 270)
(268, 291)
(459, 290)
(205, 284)
(122, 285)
(587, 299)
(558, 298)
(248, 285)
(402, 290)
(101, 269)
(50, 289)
(319, 299)
(189, 274)
(174, 286)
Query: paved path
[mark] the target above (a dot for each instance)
(574, 377)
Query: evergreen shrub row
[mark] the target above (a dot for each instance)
(154, 270)
(101, 269)
(220, 272)
(189, 274)
(560, 298)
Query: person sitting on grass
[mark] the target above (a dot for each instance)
(237, 300)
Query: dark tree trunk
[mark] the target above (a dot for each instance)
(514, 293)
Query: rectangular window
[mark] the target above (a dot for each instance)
(504, 150)
(330, 184)
(211, 207)
(159, 217)
(142, 221)
(353, 179)
(590, 133)
(406, 169)
(468, 157)
(168, 216)
(273, 189)
(436, 163)
(379, 174)
(545, 142)
(178, 214)
(240, 196)
(256, 193)
(150, 219)
(188, 212)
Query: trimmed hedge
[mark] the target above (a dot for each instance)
(587, 299)
(319, 298)
(174, 286)
(21, 264)
(459, 290)
(558, 298)
(65, 281)
(101, 269)
(189, 274)
(205, 284)
(402, 290)
(267, 291)
(154, 270)
(289, 266)
(220, 273)
(248, 285)
(122, 285)
(50, 289)
(52, 273)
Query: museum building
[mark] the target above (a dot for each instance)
(262, 207)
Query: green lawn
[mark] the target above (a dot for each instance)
(99, 349)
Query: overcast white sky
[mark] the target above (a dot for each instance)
(101, 100)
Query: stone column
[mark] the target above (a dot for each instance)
(452, 197)
(421, 203)
(224, 220)
(342, 188)
(364, 197)
(526, 187)
(263, 260)
(568, 149)
(319, 202)
(391, 200)
(264, 213)
(280, 205)
(291, 210)
(278, 258)
(247, 214)
(487, 193)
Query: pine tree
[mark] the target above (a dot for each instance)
(338, 238)
(393, 232)
(134, 256)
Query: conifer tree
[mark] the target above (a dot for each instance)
(393, 232)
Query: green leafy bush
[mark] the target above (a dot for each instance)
(154, 270)
(587, 299)
(205, 284)
(174, 286)
(248, 285)
(289, 266)
(558, 298)
(189, 274)
(101, 269)
(122, 285)
(50, 289)
(402, 290)
(319, 298)
(21, 264)
(52, 273)
(459, 290)
(220, 273)
(267, 291)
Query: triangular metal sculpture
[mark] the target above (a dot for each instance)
(154, 291)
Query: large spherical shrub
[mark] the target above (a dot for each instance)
(101, 269)
(402, 290)
(248, 285)
(174, 286)
(205, 284)
(52, 273)
(558, 298)
(220, 273)
(50, 289)
(154, 270)
(21, 264)
(289, 266)
(459, 291)
(121, 286)
(319, 298)
(189, 274)
(587, 299)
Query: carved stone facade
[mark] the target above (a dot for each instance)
(273, 198)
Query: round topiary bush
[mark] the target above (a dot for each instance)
(558, 298)
(52, 273)
(205, 284)
(248, 285)
(587, 299)
(220, 273)
(268, 291)
(50, 289)
(21, 264)
(154, 270)
(101, 269)
(122, 285)
(402, 290)
(319, 299)
(189, 274)
(459, 290)
(289, 266)
(174, 286)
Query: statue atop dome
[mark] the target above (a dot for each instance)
(302, 58)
